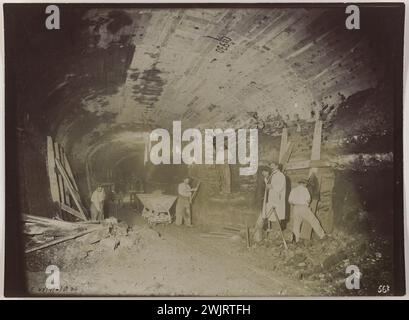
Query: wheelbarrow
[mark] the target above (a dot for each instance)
(156, 207)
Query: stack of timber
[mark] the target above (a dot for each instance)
(43, 232)
(63, 187)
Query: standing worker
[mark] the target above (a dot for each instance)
(183, 210)
(300, 198)
(275, 194)
(97, 204)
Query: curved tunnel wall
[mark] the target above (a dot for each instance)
(111, 74)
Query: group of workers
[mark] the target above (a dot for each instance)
(275, 202)
(273, 209)
(183, 205)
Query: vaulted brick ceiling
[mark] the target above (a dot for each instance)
(115, 72)
(283, 62)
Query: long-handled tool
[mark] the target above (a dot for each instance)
(261, 216)
(193, 196)
(259, 222)
(273, 209)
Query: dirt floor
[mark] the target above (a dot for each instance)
(170, 260)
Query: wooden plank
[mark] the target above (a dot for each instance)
(54, 189)
(50, 222)
(316, 141)
(72, 211)
(62, 239)
(59, 177)
(306, 164)
(316, 147)
(67, 200)
(297, 165)
(287, 154)
(74, 194)
(88, 174)
(68, 169)
(283, 144)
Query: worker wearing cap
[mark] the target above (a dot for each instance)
(183, 210)
(275, 195)
(97, 204)
(300, 198)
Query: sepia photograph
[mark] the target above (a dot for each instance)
(204, 150)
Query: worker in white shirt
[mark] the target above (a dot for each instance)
(97, 204)
(183, 210)
(300, 198)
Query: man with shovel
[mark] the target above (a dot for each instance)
(274, 197)
(183, 204)
(274, 201)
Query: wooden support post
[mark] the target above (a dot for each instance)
(62, 160)
(59, 177)
(283, 145)
(88, 174)
(55, 193)
(287, 154)
(316, 141)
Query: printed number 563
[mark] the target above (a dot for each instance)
(383, 288)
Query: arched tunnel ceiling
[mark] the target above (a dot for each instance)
(281, 63)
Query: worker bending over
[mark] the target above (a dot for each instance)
(300, 198)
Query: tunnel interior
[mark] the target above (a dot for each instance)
(324, 100)
(109, 76)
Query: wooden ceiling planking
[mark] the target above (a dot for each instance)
(278, 62)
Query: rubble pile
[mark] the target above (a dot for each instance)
(110, 238)
(327, 260)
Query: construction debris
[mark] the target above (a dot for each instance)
(43, 232)
(108, 234)
(326, 260)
